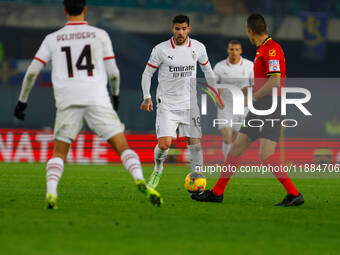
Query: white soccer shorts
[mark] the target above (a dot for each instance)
(186, 121)
(102, 120)
(230, 120)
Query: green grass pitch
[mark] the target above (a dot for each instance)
(101, 212)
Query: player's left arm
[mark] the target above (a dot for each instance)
(205, 65)
(273, 81)
(273, 62)
(113, 75)
(250, 78)
(251, 74)
(209, 74)
(250, 83)
(218, 79)
(111, 69)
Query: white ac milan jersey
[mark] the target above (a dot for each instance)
(77, 52)
(240, 75)
(177, 66)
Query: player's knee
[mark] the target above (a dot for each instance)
(227, 140)
(60, 155)
(120, 149)
(195, 147)
(264, 155)
(193, 141)
(164, 145)
(237, 150)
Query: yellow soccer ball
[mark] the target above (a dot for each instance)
(195, 182)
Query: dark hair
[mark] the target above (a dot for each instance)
(257, 23)
(181, 19)
(74, 7)
(235, 42)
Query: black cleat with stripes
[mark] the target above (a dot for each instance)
(207, 196)
(291, 200)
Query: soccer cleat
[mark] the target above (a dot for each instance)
(291, 200)
(154, 179)
(141, 186)
(51, 202)
(151, 194)
(207, 196)
(154, 197)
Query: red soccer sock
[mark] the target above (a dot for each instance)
(282, 176)
(231, 161)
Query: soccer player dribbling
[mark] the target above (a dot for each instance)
(176, 60)
(82, 63)
(269, 73)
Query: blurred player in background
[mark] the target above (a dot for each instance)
(269, 73)
(176, 61)
(236, 71)
(82, 63)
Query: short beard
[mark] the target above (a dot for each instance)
(183, 41)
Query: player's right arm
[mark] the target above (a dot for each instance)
(151, 67)
(41, 58)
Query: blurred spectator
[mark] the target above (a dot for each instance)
(230, 7)
(333, 126)
(323, 156)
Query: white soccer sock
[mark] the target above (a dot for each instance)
(226, 148)
(196, 155)
(54, 171)
(131, 163)
(160, 156)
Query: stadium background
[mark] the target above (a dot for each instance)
(307, 31)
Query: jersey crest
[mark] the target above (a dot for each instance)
(194, 56)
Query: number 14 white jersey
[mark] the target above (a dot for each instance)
(77, 52)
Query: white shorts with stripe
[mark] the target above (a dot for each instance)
(186, 121)
(102, 120)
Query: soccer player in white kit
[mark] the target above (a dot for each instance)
(176, 61)
(82, 63)
(236, 71)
